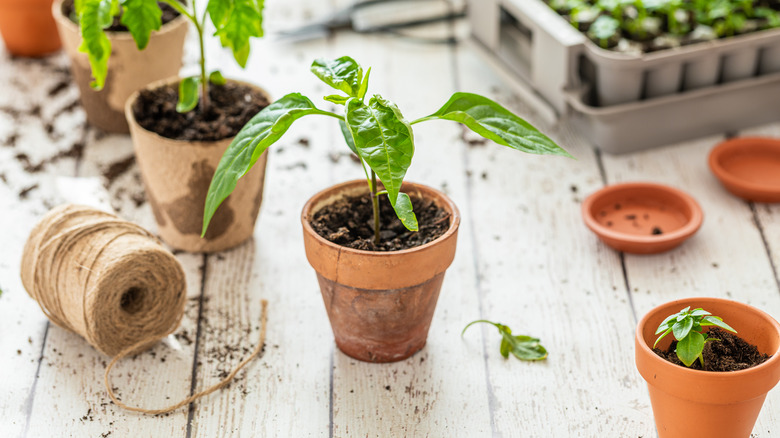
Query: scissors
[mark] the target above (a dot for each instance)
(359, 18)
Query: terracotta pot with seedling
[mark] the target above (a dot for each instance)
(28, 28)
(116, 48)
(380, 266)
(181, 128)
(707, 375)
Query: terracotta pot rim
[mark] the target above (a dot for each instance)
(725, 147)
(31, 4)
(725, 375)
(693, 224)
(454, 222)
(113, 34)
(156, 84)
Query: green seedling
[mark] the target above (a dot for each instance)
(235, 21)
(522, 347)
(376, 131)
(686, 326)
(604, 30)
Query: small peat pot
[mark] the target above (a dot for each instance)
(129, 69)
(748, 167)
(693, 403)
(177, 174)
(642, 218)
(380, 304)
(28, 27)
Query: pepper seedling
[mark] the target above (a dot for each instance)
(235, 21)
(376, 132)
(521, 346)
(686, 326)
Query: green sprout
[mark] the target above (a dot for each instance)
(686, 326)
(522, 347)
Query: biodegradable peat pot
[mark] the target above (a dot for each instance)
(129, 69)
(692, 403)
(28, 27)
(380, 304)
(177, 175)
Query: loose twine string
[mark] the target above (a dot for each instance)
(111, 282)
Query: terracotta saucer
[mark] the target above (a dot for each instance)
(749, 167)
(642, 218)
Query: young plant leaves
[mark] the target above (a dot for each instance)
(237, 21)
(94, 16)
(522, 347)
(494, 122)
(141, 17)
(343, 74)
(686, 326)
(263, 130)
(690, 348)
(216, 78)
(188, 94)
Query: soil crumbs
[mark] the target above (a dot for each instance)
(232, 106)
(168, 14)
(350, 222)
(730, 353)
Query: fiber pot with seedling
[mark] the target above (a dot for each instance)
(181, 128)
(380, 247)
(707, 375)
(28, 28)
(117, 47)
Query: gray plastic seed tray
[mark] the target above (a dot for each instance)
(627, 94)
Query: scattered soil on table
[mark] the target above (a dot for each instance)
(232, 106)
(168, 14)
(349, 222)
(730, 353)
(76, 151)
(117, 169)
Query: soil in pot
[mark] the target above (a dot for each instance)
(730, 353)
(168, 14)
(232, 106)
(349, 222)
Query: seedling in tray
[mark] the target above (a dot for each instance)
(686, 327)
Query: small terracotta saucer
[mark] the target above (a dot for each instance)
(642, 218)
(749, 167)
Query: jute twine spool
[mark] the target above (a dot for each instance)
(111, 282)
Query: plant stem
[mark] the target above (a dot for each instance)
(375, 202)
(204, 80)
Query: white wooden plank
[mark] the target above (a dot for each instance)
(542, 274)
(726, 258)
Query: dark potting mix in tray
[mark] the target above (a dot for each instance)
(349, 222)
(168, 14)
(729, 353)
(232, 106)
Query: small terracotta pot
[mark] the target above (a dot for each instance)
(380, 304)
(748, 167)
(129, 69)
(688, 403)
(177, 175)
(28, 28)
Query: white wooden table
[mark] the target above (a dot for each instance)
(525, 259)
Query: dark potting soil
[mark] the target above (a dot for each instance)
(232, 106)
(350, 222)
(730, 353)
(168, 14)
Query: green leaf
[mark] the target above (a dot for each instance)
(188, 94)
(522, 347)
(504, 348)
(690, 347)
(364, 85)
(666, 323)
(337, 99)
(141, 17)
(96, 15)
(682, 328)
(237, 22)
(216, 78)
(383, 139)
(700, 312)
(348, 137)
(669, 330)
(255, 137)
(403, 209)
(343, 74)
(714, 320)
(496, 123)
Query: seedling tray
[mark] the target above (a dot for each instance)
(605, 87)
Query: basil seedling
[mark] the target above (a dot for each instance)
(686, 326)
(236, 22)
(376, 132)
(522, 347)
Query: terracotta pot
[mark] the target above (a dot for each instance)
(748, 167)
(688, 403)
(177, 175)
(28, 28)
(380, 304)
(129, 69)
